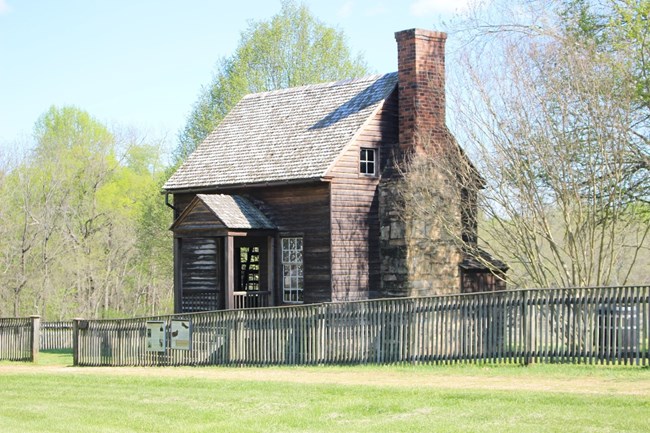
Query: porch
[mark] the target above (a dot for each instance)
(223, 255)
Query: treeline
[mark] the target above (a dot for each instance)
(84, 227)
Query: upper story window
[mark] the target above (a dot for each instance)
(368, 162)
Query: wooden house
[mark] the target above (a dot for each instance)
(289, 199)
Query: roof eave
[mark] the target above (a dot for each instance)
(226, 187)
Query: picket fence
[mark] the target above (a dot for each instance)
(56, 335)
(19, 339)
(581, 325)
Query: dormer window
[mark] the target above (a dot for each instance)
(368, 162)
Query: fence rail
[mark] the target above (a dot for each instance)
(583, 325)
(19, 338)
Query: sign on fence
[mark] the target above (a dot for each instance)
(156, 341)
(181, 334)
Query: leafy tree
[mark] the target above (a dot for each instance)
(619, 31)
(293, 48)
(614, 26)
(70, 240)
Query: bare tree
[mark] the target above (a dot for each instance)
(551, 125)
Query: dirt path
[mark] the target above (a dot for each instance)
(636, 383)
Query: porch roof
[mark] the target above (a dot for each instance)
(228, 211)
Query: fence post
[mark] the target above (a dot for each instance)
(75, 341)
(524, 320)
(36, 337)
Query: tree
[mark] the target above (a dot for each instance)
(552, 125)
(293, 48)
(620, 29)
(70, 240)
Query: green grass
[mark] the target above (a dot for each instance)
(38, 401)
(55, 357)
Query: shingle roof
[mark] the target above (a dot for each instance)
(236, 212)
(283, 135)
(231, 211)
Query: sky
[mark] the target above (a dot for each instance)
(142, 63)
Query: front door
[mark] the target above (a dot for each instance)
(251, 272)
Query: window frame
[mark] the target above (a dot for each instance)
(292, 269)
(375, 161)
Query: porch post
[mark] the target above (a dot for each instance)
(270, 240)
(178, 269)
(229, 272)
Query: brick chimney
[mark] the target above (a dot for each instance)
(415, 258)
(421, 84)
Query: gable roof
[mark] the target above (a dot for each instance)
(227, 211)
(283, 135)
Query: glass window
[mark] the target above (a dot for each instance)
(292, 278)
(368, 162)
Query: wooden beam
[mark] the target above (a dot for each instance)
(36, 337)
(270, 268)
(229, 272)
(178, 279)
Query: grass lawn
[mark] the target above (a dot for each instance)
(52, 397)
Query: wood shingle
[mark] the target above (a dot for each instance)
(284, 135)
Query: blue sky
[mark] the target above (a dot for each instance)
(142, 63)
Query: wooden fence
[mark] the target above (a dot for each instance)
(19, 338)
(56, 335)
(584, 325)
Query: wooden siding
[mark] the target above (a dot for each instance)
(200, 276)
(354, 202)
(475, 281)
(297, 210)
(199, 217)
